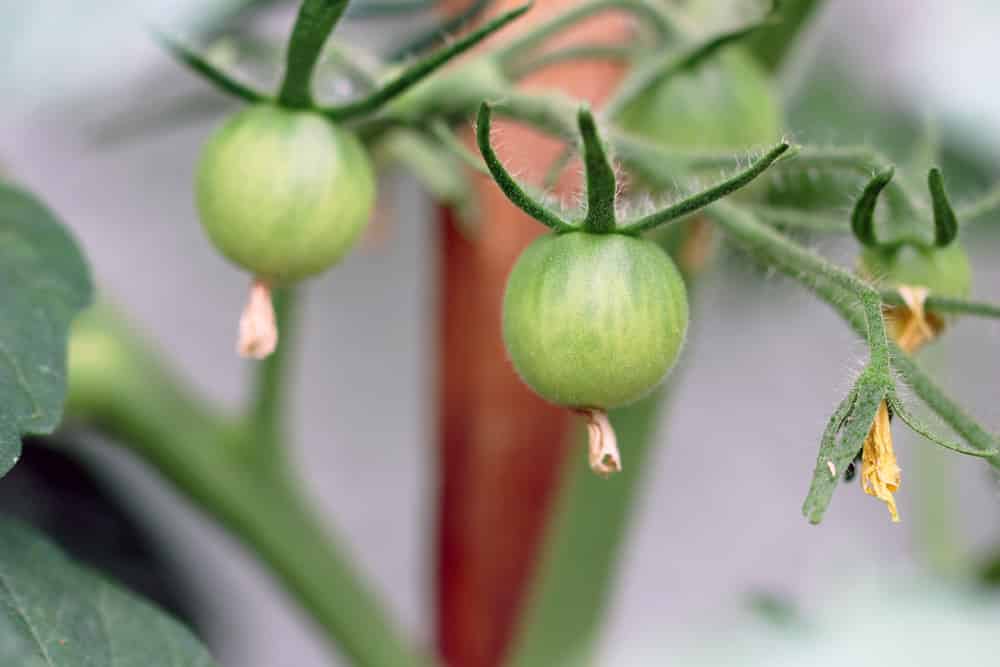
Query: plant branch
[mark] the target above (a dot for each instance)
(943, 304)
(202, 454)
(439, 33)
(984, 205)
(836, 288)
(315, 21)
(643, 9)
(798, 219)
(269, 401)
(613, 52)
(419, 71)
(200, 65)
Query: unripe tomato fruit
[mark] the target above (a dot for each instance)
(726, 103)
(594, 320)
(943, 271)
(283, 193)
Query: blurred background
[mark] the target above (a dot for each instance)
(94, 120)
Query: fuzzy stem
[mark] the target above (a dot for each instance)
(420, 70)
(315, 22)
(943, 304)
(984, 205)
(644, 9)
(439, 33)
(200, 65)
(835, 287)
(604, 52)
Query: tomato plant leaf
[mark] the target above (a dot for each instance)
(44, 283)
(59, 614)
(855, 416)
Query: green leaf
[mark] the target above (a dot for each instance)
(44, 283)
(58, 614)
(855, 416)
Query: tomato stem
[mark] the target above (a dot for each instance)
(651, 15)
(313, 25)
(420, 70)
(440, 33)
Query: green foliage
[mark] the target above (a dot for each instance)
(44, 282)
(594, 317)
(59, 614)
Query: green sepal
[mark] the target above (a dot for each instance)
(514, 192)
(945, 222)
(600, 176)
(863, 215)
(708, 196)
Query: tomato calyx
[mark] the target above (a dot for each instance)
(602, 187)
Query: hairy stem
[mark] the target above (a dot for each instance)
(420, 70)
(652, 16)
(315, 22)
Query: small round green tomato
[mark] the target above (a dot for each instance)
(594, 320)
(284, 194)
(727, 103)
(943, 271)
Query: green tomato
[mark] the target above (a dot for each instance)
(284, 194)
(943, 271)
(727, 103)
(594, 320)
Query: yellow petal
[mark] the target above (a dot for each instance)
(880, 474)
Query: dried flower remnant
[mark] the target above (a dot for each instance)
(880, 474)
(258, 329)
(605, 459)
(912, 328)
